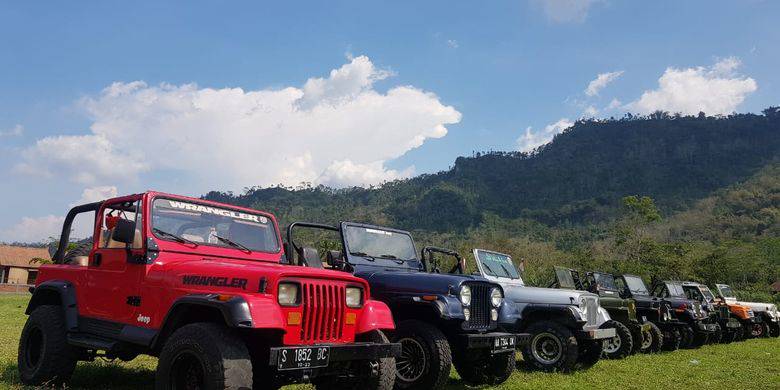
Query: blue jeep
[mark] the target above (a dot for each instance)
(441, 319)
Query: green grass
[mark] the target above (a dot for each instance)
(746, 365)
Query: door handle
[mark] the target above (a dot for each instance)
(97, 259)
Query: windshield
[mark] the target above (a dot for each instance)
(726, 291)
(708, 295)
(176, 220)
(675, 290)
(498, 265)
(636, 285)
(565, 280)
(373, 243)
(605, 281)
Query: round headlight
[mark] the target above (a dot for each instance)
(496, 297)
(465, 295)
(288, 294)
(354, 297)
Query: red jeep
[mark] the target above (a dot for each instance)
(200, 285)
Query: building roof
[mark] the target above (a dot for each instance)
(19, 256)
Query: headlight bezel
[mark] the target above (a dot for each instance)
(284, 288)
(496, 300)
(464, 295)
(360, 293)
(583, 305)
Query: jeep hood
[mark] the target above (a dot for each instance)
(382, 281)
(541, 295)
(756, 306)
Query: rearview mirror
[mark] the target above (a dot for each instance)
(124, 231)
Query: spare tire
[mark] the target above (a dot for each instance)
(81, 249)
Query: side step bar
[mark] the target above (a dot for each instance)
(90, 342)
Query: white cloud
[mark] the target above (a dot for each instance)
(452, 43)
(33, 229)
(230, 138)
(562, 11)
(615, 103)
(591, 112)
(717, 89)
(601, 81)
(96, 194)
(15, 131)
(532, 140)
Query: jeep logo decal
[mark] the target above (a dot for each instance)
(216, 281)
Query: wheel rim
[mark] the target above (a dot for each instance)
(647, 339)
(187, 372)
(757, 330)
(546, 348)
(34, 347)
(613, 344)
(411, 365)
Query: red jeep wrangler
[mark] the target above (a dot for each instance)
(200, 285)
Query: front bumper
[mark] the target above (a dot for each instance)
(347, 352)
(706, 327)
(497, 342)
(596, 333)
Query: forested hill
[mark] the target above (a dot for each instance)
(578, 178)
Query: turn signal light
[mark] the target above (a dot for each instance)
(293, 318)
(351, 318)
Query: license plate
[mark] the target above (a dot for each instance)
(645, 327)
(503, 343)
(303, 357)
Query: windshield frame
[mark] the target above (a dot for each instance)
(724, 288)
(632, 292)
(485, 274)
(414, 264)
(600, 286)
(271, 222)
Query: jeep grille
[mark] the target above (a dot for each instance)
(323, 311)
(592, 303)
(480, 306)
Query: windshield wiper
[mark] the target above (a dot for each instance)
(393, 257)
(487, 267)
(175, 237)
(363, 254)
(506, 271)
(232, 243)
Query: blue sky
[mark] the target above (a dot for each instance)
(98, 98)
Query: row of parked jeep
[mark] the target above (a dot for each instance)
(225, 300)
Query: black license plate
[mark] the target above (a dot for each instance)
(502, 343)
(303, 357)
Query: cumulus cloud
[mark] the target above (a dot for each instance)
(336, 130)
(531, 140)
(33, 229)
(562, 11)
(15, 131)
(96, 194)
(717, 89)
(601, 81)
(452, 43)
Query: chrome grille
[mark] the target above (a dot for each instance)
(323, 311)
(480, 306)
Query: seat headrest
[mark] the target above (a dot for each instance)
(310, 257)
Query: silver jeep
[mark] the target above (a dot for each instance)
(767, 316)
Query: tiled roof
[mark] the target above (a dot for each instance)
(19, 256)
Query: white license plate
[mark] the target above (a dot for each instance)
(297, 358)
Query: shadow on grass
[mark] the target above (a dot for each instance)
(92, 375)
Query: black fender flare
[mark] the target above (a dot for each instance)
(45, 293)
(561, 313)
(235, 312)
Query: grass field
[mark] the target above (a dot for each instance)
(750, 364)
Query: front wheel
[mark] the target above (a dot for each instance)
(672, 339)
(45, 357)
(370, 375)
(589, 354)
(652, 339)
(426, 358)
(621, 345)
(204, 356)
(774, 329)
(717, 336)
(490, 370)
(758, 330)
(552, 348)
(686, 337)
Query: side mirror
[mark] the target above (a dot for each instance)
(124, 232)
(334, 258)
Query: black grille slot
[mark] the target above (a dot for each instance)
(480, 306)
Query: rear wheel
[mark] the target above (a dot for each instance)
(204, 356)
(45, 357)
(774, 329)
(672, 339)
(716, 336)
(686, 336)
(426, 358)
(758, 329)
(490, 370)
(652, 339)
(619, 346)
(553, 347)
(371, 375)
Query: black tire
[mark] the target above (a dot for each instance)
(490, 370)
(81, 249)
(590, 352)
(686, 337)
(672, 339)
(426, 358)
(757, 330)
(206, 355)
(552, 348)
(715, 337)
(774, 329)
(370, 375)
(45, 357)
(728, 336)
(739, 333)
(621, 345)
(652, 340)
